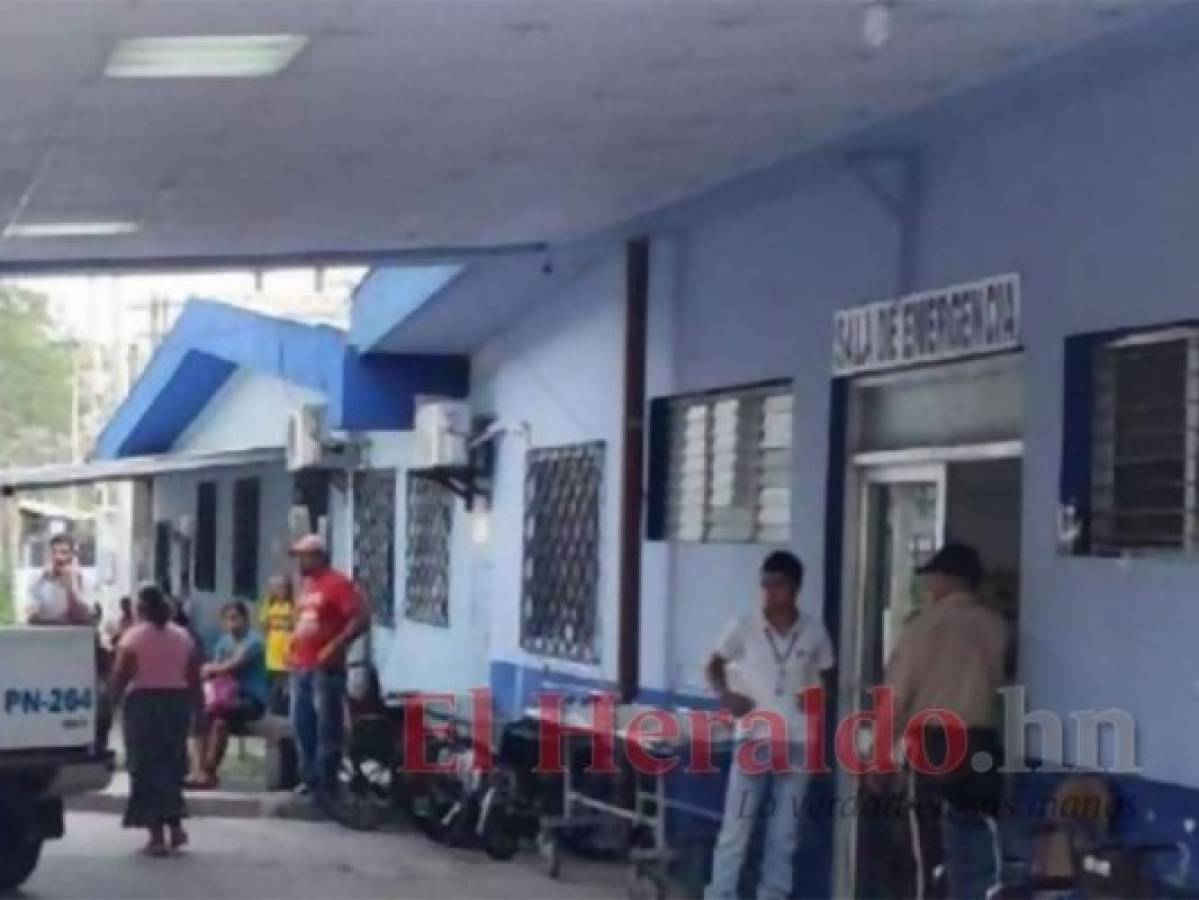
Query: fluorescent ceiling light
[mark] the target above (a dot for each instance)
(205, 56)
(70, 229)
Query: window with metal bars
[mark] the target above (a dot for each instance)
(246, 501)
(374, 539)
(721, 470)
(205, 549)
(1145, 443)
(560, 576)
(429, 526)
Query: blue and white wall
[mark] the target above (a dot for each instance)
(175, 496)
(1085, 195)
(1085, 189)
(559, 370)
(415, 655)
(249, 412)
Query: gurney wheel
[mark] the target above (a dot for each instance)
(551, 853)
(645, 884)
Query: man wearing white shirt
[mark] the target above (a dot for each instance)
(774, 654)
(56, 597)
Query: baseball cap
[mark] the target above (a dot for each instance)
(310, 543)
(957, 561)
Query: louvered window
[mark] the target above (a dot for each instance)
(162, 553)
(246, 521)
(1145, 444)
(729, 466)
(206, 512)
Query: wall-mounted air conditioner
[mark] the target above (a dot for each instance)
(442, 434)
(305, 437)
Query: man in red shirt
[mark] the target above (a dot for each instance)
(330, 614)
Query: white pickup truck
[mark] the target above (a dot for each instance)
(49, 707)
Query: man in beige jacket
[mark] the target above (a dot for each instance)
(950, 659)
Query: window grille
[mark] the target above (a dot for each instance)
(561, 551)
(729, 466)
(206, 517)
(246, 522)
(1145, 443)
(374, 540)
(429, 526)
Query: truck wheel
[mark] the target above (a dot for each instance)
(18, 858)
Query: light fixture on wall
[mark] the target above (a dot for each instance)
(1069, 528)
(480, 521)
(877, 24)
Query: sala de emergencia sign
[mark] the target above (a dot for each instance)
(954, 322)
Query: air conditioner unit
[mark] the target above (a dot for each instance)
(305, 437)
(442, 436)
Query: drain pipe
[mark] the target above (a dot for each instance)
(632, 466)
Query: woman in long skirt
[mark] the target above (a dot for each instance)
(156, 673)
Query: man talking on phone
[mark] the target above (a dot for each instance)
(56, 597)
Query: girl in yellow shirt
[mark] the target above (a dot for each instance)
(277, 615)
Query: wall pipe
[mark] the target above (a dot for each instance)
(633, 466)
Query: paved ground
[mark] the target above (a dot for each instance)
(268, 859)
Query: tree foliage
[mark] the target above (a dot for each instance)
(35, 382)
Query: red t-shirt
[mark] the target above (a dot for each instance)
(328, 602)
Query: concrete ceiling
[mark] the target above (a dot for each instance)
(408, 124)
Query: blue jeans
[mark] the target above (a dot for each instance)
(318, 717)
(742, 805)
(970, 845)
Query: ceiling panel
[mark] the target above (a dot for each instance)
(431, 122)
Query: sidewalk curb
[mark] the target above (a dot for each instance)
(262, 806)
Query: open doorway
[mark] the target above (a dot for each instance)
(935, 457)
(910, 511)
(907, 512)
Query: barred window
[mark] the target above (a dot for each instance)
(429, 526)
(727, 466)
(206, 513)
(374, 494)
(560, 579)
(246, 522)
(1145, 443)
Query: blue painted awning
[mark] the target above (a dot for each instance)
(212, 340)
(458, 308)
(389, 295)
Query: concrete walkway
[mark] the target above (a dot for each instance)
(266, 859)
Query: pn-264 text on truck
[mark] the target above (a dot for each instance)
(49, 705)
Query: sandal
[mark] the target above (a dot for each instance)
(202, 783)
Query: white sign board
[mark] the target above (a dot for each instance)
(47, 688)
(951, 323)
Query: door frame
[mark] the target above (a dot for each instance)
(864, 470)
(873, 476)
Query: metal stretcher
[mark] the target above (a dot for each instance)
(644, 803)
